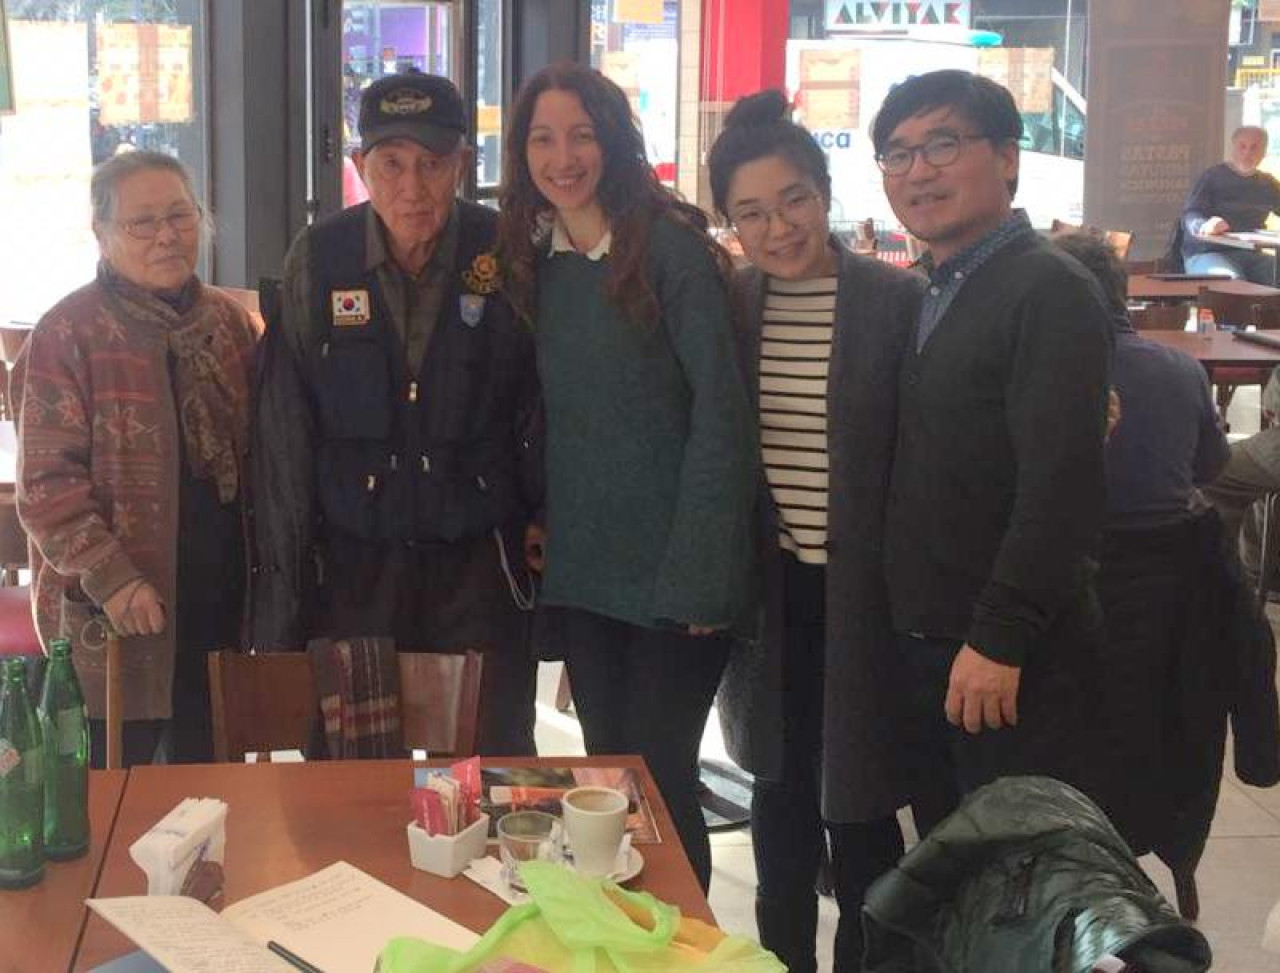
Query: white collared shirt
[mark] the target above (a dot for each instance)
(560, 242)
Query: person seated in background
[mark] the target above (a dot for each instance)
(1182, 639)
(1231, 197)
(132, 402)
(1252, 472)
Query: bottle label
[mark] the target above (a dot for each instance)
(10, 758)
(70, 724)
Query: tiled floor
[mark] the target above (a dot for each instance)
(1239, 876)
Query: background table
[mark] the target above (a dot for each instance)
(1145, 287)
(1219, 348)
(287, 821)
(40, 926)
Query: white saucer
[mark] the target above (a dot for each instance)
(635, 865)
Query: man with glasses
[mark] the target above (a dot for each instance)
(395, 457)
(997, 488)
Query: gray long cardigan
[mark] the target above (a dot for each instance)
(876, 307)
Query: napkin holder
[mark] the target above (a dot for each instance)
(447, 854)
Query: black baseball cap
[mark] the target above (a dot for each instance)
(423, 107)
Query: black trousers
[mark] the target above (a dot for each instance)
(443, 597)
(1056, 735)
(647, 691)
(788, 833)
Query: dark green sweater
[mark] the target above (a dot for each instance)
(651, 455)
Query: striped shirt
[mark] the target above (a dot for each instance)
(795, 351)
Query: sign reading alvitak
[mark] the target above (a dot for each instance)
(845, 14)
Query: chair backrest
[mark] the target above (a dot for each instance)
(1160, 317)
(267, 701)
(1262, 311)
(1121, 241)
(13, 540)
(12, 338)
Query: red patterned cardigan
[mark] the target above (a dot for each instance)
(98, 474)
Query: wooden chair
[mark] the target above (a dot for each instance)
(13, 541)
(267, 701)
(12, 338)
(1160, 317)
(1262, 312)
(1120, 241)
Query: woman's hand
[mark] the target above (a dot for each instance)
(1214, 226)
(136, 609)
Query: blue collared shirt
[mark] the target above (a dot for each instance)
(947, 278)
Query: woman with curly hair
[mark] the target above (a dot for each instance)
(651, 457)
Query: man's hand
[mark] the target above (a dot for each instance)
(136, 609)
(982, 692)
(703, 630)
(1214, 226)
(535, 547)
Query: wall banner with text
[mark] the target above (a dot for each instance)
(1156, 93)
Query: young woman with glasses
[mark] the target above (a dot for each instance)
(821, 333)
(651, 454)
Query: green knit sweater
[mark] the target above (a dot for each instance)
(651, 454)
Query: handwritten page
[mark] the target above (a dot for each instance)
(187, 936)
(341, 918)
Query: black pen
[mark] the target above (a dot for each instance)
(292, 958)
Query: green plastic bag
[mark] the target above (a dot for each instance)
(572, 925)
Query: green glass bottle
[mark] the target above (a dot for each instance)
(21, 782)
(66, 753)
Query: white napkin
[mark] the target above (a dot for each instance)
(487, 873)
(192, 832)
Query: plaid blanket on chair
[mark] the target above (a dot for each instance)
(358, 689)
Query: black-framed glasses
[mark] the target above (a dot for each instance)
(795, 208)
(148, 227)
(939, 152)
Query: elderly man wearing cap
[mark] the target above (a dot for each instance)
(396, 464)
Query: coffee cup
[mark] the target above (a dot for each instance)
(594, 821)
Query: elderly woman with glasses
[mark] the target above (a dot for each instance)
(132, 399)
(820, 335)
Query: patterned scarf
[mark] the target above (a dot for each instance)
(212, 392)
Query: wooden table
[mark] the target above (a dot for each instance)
(40, 926)
(1145, 287)
(289, 820)
(1217, 349)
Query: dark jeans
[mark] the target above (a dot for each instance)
(1056, 736)
(647, 691)
(1255, 265)
(443, 597)
(788, 833)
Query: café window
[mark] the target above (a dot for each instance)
(84, 80)
(636, 44)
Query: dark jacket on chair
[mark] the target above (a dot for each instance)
(1187, 649)
(1027, 875)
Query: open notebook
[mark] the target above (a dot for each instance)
(338, 919)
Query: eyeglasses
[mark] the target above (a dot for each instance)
(796, 209)
(939, 152)
(148, 227)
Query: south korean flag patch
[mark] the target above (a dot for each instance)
(350, 308)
